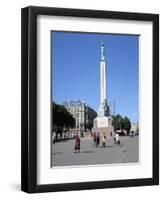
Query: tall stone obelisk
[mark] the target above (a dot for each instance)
(103, 123)
(104, 109)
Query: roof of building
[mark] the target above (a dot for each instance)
(76, 103)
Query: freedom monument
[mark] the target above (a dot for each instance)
(103, 122)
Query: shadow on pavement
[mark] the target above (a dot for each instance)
(86, 152)
(111, 146)
(57, 153)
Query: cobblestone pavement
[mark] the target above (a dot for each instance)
(127, 152)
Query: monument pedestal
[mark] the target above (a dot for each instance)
(103, 125)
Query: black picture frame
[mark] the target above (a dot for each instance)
(29, 99)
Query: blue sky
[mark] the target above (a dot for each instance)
(76, 69)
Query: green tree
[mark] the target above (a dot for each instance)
(117, 122)
(121, 123)
(126, 124)
(62, 119)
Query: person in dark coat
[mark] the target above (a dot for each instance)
(98, 139)
(77, 144)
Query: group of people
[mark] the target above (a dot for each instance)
(96, 139)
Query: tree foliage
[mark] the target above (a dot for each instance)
(127, 124)
(62, 119)
(117, 122)
(121, 123)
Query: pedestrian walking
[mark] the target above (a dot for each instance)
(94, 139)
(98, 139)
(77, 144)
(114, 137)
(53, 139)
(117, 138)
(104, 140)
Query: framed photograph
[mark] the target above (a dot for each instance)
(90, 99)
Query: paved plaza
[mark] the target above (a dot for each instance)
(127, 152)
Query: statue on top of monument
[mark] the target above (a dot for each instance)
(102, 51)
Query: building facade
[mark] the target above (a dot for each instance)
(83, 115)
